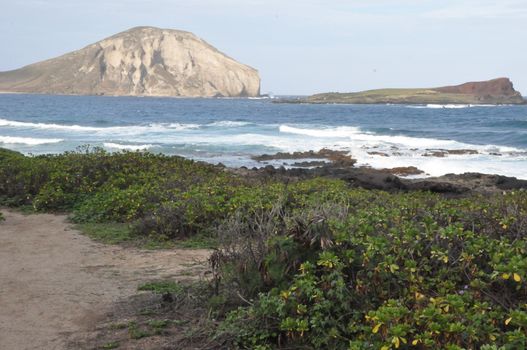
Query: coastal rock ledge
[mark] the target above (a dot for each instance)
(142, 61)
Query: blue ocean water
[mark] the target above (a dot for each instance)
(231, 130)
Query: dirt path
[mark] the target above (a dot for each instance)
(56, 283)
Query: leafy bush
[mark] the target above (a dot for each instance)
(384, 271)
(111, 204)
(117, 187)
(20, 178)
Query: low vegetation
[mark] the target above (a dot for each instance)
(310, 264)
(109, 233)
(402, 96)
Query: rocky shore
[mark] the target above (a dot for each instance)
(388, 179)
(340, 165)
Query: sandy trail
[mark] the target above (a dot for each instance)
(56, 283)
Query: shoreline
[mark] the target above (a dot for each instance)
(381, 179)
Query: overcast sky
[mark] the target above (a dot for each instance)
(299, 47)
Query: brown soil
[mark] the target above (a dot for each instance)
(57, 285)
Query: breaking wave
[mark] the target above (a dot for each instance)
(11, 140)
(119, 146)
(156, 127)
(229, 123)
(109, 129)
(340, 131)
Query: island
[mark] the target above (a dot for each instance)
(142, 61)
(495, 92)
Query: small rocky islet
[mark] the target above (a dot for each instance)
(498, 91)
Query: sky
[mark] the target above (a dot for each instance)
(299, 47)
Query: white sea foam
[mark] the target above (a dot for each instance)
(357, 138)
(450, 106)
(27, 140)
(365, 138)
(340, 131)
(127, 147)
(229, 123)
(133, 129)
(434, 166)
(17, 124)
(176, 126)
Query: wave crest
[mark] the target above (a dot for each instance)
(340, 131)
(127, 147)
(157, 127)
(27, 140)
(81, 128)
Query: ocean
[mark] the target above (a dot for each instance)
(230, 131)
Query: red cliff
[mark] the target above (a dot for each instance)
(502, 87)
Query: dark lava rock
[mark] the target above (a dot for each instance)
(403, 171)
(449, 185)
(341, 158)
(374, 180)
(438, 187)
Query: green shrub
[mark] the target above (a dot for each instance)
(112, 204)
(383, 271)
(20, 178)
(104, 187)
(202, 207)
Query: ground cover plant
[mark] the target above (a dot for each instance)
(310, 264)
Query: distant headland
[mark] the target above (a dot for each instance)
(142, 61)
(495, 92)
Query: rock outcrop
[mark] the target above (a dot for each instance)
(142, 61)
(385, 179)
(496, 91)
(501, 87)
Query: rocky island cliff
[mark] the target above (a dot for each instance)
(142, 61)
(496, 91)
